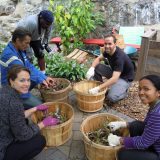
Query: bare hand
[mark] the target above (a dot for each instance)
(49, 82)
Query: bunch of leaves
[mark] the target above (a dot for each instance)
(58, 85)
(74, 20)
(58, 66)
(100, 136)
(57, 114)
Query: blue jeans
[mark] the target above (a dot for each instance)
(118, 90)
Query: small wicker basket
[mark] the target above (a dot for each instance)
(88, 102)
(59, 96)
(59, 134)
(93, 150)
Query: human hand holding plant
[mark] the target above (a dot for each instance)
(113, 140)
(90, 73)
(41, 107)
(94, 90)
(117, 125)
(50, 121)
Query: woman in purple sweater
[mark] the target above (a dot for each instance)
(144, 140)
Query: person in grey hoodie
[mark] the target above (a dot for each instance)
(40, 27)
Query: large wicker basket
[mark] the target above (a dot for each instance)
(59, 134)
(59, 96)
(88, 102)
(96, 151)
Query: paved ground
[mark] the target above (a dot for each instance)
(74, 148)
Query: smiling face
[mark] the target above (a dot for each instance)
(22, 44)
(110, 45)
(147, 92)
(22, 83)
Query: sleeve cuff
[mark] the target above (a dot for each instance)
(128, 142)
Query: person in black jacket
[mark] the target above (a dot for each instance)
(18, 139)
(117, 69)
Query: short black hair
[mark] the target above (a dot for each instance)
(20, 33)
(110, 35)
(155, 80)
(14, 70)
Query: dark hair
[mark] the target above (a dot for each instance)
(14, 70)
(110, 35)
(154, 79)
(20, 33)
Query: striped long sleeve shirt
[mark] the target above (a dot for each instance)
(151, 133)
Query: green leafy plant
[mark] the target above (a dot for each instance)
(74, 19)
(58, 66)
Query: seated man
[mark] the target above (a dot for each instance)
(118, 69)
(14, 54)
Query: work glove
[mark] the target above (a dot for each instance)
(94, 90)
(116, 125)
(41, 107)
(90, 73)
(113, 140)
(50, 121)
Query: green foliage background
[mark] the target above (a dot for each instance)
(74, 20)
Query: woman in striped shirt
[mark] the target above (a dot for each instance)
(144, 140)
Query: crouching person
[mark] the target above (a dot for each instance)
(14, 53)
(117, 69)
(144, 140)
(18, 139)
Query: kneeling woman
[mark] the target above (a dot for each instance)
(19, 140)
(144, 140)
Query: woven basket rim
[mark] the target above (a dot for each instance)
(88, 94)
(59, 91)
(62, 124)
(88, 141)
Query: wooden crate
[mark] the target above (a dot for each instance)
(149, 56)
(78, 55)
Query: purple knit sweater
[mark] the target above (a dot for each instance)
(151, 133)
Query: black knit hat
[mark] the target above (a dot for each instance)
(47, 15)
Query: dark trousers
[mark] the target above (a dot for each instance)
(25, 150)
(102, 70)
(136, 129)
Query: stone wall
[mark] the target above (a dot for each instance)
(128, 13)
(11, 11)
(115, 12)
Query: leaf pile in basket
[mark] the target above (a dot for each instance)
(100, 136)
(58, 85)
(57, 114)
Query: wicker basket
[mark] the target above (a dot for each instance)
(59, 134)
(88, 102)
(59, 96)
(96, 151)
